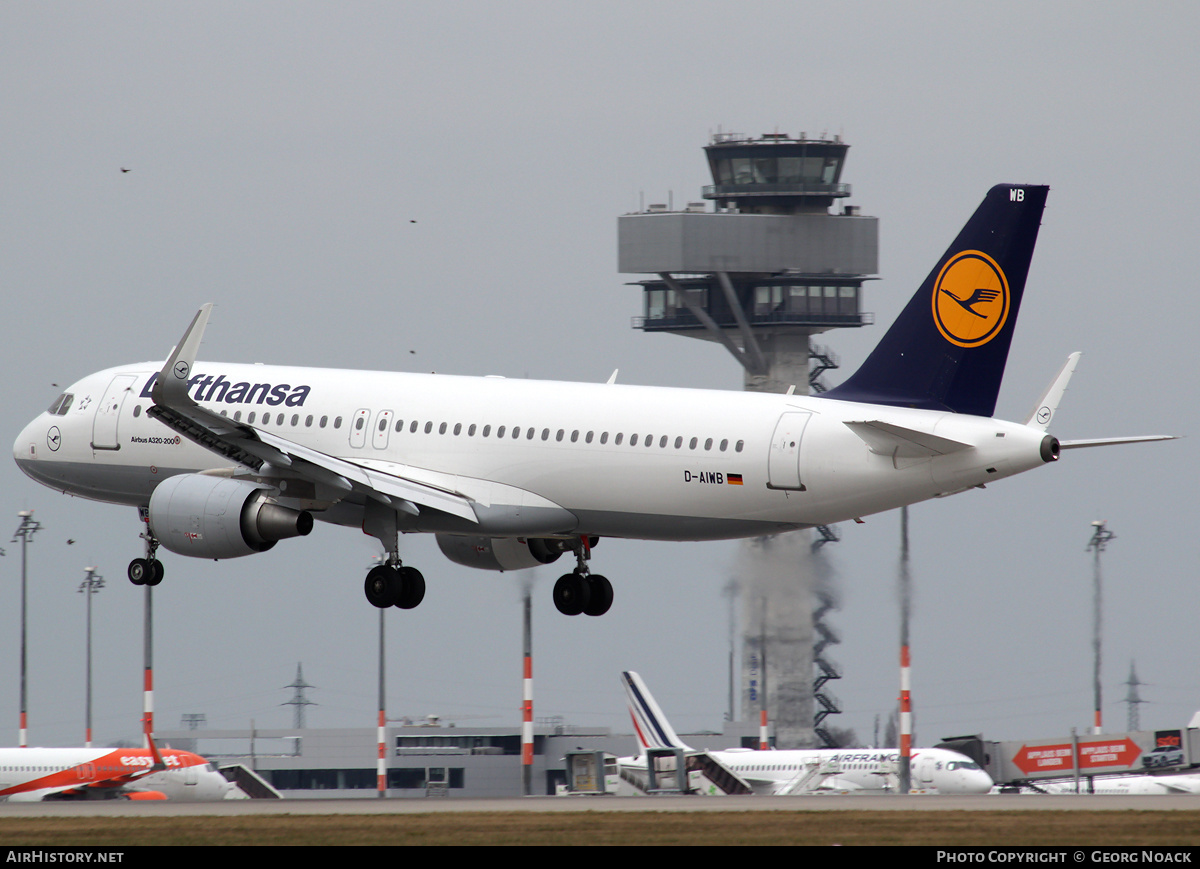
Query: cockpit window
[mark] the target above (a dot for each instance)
(61, 404)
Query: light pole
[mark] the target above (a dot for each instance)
(25, 531)
(1100, 537)
(92, 583)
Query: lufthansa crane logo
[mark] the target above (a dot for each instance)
(970, 299)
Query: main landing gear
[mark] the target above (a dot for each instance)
(148, 570)
(582, 591)
(390, 584)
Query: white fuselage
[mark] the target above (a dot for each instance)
(1126, 785)
(789, 772)
(34, 774)
(932, 770)
(622, 461)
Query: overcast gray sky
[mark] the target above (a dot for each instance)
(279, 154)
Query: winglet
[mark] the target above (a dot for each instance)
(159, 763)
(651, 726)
(171, 386)
(1047, 405)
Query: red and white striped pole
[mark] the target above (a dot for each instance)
(148, 668)
(527, 700)
(905, 582)
(381, 760)
(905, 717)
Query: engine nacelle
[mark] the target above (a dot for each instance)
(499, 553)
(216, 517)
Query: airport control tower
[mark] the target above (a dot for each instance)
(777, 258)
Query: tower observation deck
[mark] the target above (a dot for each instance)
(769, 266)
(778, 258)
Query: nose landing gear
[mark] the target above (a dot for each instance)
(148, 570)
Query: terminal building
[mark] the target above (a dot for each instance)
(474, 762)
(422, 761)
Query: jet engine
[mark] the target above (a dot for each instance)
(500, 553)
(216, 517)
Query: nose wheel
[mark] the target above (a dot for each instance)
(148, 570)
(145, 571)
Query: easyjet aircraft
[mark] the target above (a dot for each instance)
(224, 460)
(34, 774)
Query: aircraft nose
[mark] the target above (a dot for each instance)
(978, 782)
(25, 447)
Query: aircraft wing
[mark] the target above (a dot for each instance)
(252, 447)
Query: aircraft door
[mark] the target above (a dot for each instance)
(108, 412)
(358, 428)
(925, 770)
(783, 464)
(381, 430)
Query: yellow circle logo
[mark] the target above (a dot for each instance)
(970, 299)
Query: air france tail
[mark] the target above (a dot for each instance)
(948, 348)
(649, 723)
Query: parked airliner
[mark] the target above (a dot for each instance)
(1119, 785)
(35, 774)
(223, 460)
(788, 772)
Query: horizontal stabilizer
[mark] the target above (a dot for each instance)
(1107, 442)
(888, 439)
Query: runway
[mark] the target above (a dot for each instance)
(547, 805)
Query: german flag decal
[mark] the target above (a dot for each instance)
(734, 479)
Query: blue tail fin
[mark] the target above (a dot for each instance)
(948, 347)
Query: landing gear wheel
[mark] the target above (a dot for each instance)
(380, 586)
(156, 572)
(140, 571)
(600, 595)
(571, 594)
(412, 588)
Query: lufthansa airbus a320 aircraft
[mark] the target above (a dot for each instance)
(223, 460)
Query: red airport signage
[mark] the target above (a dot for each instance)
(1094, 755)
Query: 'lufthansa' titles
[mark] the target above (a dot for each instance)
(204, 387)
